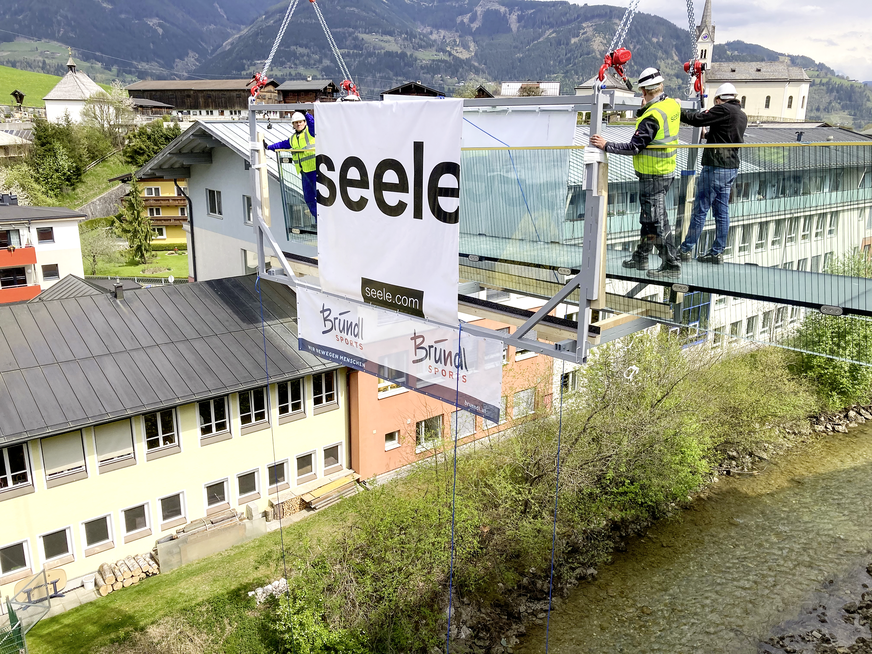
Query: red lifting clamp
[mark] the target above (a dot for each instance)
(695, 69)
(617, 60)
(260, 80)
(349, 87)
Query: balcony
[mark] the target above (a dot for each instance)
(165, 201)
(24, 256)
(19, 293)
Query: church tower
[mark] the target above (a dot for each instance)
(705, 36)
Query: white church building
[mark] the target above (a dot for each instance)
(69, 95)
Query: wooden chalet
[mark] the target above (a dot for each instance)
(311, 90)
(413, 88)
(204, 97)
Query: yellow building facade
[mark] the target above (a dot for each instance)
(167, 209)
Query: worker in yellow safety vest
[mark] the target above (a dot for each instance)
(302, 143)
(657, 123)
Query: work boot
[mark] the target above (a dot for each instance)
(685, 255)
(711, 257)
(666, 270)
(635, 262)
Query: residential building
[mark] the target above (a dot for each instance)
(68, 96)
(12, 147)
(204, 99)
(127, 416)
(38, 246)
(414, 89)
(167, 209)
(514, 89)
(308, 90)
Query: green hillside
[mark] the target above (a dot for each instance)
(35, 86)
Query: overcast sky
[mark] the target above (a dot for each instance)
(836, 32)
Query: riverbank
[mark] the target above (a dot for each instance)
(371, 573)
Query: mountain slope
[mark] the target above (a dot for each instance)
(175, 35)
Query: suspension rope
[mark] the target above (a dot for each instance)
(624, 26)
(336, 52)
(454, 490)
(284, 26)
(274, 457)
(556, 494)
(691, 28)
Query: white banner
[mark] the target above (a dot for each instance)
(447, 364)
(389, 204)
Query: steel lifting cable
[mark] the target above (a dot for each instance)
(624, 27)
(342, 67)
(272, 53)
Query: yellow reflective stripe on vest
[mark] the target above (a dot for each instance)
(660, 161)
(300, 141)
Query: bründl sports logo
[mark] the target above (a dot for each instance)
(441, 360)
(343, 326)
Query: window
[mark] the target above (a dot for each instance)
(14, 558)
(392, 440)
(247, 485)
(762, 235)
(135, 519)
(569, 381)
(332, 458)
(216, 493)
(154, 212)
(523, 353)
(160, 429)
(390, 381)
(792, 225)
(97, 531)
(45, 234)
(802, 103)
(745, 242)
(779, 317)
(743, 102)
(794, 314)
(802, 264)
(787, 265)
(181, 190)
(463, 423)
(768, 100)
(252, 406)
(152, 191)
(277, 473)
(816, 263)
(734, 329)
(50, 272)
(717, 336)
(114, 445)
(819, 226)
(56, 545)
(290, 397)
(490, 425)
(213, 416)
(172, 508)
(751, 326)
(306, 467)
(767, 320)
(427, 433)
(246, 210)
(806, 229)
(10, 237)
(833, 227)
(777, 234)
(213, 202)
(158, 233)
(14, 470)
(523, 403)
(790, 102)
(324, 388)
(731, 238)
(828, 259)
(183, 211)
(63, 458)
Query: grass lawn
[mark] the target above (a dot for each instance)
(35, 86)
(162, 264)
(94, 182)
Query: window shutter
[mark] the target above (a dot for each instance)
(63, 453)
(114, 441)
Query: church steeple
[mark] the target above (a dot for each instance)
(71, 65)
(705, 35)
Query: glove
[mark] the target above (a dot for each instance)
(265, 145)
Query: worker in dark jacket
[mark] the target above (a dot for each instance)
(726, 123)
(302, 143)
(657, 123)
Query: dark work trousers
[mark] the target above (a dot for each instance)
(655, 228)
(310, 194)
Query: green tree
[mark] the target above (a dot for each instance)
(111, 113)
(135, 225)
(143, 144)
(97, 244)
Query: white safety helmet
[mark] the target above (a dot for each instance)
(650, 78)
(298, 117)
(726, 92)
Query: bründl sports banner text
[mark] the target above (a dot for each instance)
(448, 364)
(389, 204)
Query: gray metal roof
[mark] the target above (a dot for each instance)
(755, 71)
(68, 286)
(143, 102)
(17, 213)
(80, 361)
(74, 86)
(242, 84)
(306, 85)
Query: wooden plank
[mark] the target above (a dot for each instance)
(328, 488)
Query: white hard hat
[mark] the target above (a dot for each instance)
(650, 77)
(725, 90)
(297, 116)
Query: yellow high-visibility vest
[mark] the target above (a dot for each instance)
(304, 161)
(667, 113)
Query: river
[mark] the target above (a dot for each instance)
(757, 557)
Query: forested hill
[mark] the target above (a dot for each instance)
(386, 42)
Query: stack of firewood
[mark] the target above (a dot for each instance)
(124, 572)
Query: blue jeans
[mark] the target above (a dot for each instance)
(712, 192)
(310, 193)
